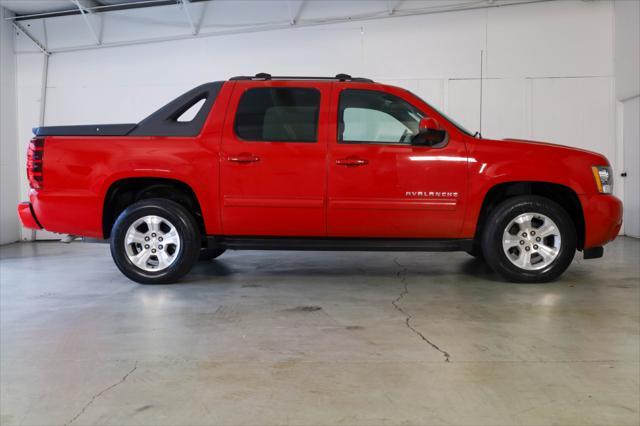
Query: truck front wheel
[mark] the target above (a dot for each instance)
(155, 241)
(529, 239)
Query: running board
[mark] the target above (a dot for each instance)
(339, 244)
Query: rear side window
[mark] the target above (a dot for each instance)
(278, 114)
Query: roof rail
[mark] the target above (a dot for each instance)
(265, 76)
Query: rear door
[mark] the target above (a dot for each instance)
(379, 184)
(273, 159)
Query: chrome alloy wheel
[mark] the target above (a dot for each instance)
(531, 241)
(152, 243)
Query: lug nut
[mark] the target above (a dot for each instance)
(159, 238)
(524, 234)
(535, 247)
(538, 239)
(153, 235)
(153, 250)
(521, 242)
(527, 248)
(160, 247)
(146, 238)
(533, 233)
(146, 246)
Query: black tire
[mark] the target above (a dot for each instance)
(502, 215)
(186, 227)
(210, 253)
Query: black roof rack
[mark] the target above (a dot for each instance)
(265, 76)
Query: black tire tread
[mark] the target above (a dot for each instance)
(184, 222)
(492, 236)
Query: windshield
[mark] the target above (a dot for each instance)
(449, 119)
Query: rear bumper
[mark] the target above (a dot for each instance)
(602, 219)
(27, 216)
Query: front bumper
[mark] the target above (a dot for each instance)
(27, 216)
(602, 219)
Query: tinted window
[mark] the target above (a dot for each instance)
(278, 114)
(376, 117)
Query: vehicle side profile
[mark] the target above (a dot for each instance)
(313, 163)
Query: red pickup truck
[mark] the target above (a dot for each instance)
(306, 163)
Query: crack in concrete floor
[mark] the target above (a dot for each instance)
(402, 276)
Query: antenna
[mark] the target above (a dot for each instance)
(481, 75)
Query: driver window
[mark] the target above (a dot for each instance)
(367, 116)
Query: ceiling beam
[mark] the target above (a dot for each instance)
(294, 15)
(85, 16)
(391, 6)
(99, 8)
(203, 14)
(34, 40)
(185, 5)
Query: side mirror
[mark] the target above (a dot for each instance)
(430, 133)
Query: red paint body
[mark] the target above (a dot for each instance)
(313, 189)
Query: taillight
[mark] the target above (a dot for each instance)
(35, 154)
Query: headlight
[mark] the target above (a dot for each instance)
(604, 179)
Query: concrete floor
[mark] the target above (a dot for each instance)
(308, 338)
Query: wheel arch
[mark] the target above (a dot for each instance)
(566, 197)
(126, 191)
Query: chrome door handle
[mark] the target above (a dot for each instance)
(243, 158)
(351, 162)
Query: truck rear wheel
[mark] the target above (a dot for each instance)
(155, 241)
(529, 239)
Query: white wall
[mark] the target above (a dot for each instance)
(549, 67)
(9, 226)
(627, 48)
(631, 137)
(627, 73)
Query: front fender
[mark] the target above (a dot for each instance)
(493, 163)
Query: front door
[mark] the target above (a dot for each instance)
(379, 184)
(273, 159)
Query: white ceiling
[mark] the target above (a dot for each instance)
(34, 7)
(24, 7)
(171, 20)
(29, 7)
